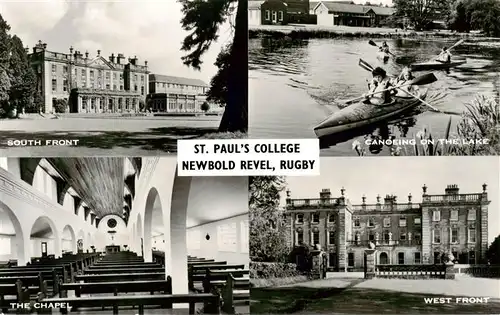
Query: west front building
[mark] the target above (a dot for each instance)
(403, 232)
(89, 84)
(169, 94)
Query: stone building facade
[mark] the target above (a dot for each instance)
(169, 94)
(403, 232)
(89, 84)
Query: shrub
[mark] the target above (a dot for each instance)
(265, 270)
(60, 105)
(205, 107)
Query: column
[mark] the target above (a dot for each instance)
(370, 263)
(79, 104)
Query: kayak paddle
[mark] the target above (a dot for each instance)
(421, 80)
(374, 44)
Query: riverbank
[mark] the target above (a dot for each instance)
(299, 31)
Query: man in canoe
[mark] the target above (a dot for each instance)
(385, 47)
(379, 84)
(444, 56)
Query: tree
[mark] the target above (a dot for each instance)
(493, 252)
(205, 107)
(203, 19)
(422, 12)
(218, 92)
(268, 234)
(22, 77)
(60, 105)
(484, 15)
(4, 66)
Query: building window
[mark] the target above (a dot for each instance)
(275, 14)
(454, 235)
(331, 218)
(91, 74)
(65, 85)
(356, 222)
(371, 237)
(107, 75)
(436, 215)
(472, 234)
(472, 257)
(142, 90)
(226, 237)
(315, 218)
(417, 238)
(135, 77)
(54, 69)
(315, 238)
(370, 222)
(357, 238)
(300, 237)
(114, 87)
(135, 88)
(332, 259)
(65, 69)
(471, 215)
(280, 16)
(387, 222)
(417, 221)
(436, 236)
(383, 258)
(300, 218)
(402, 222)
(401, 258)
(54, 85)
(386, 236)
(121, 76)
(350, 259)
(121, 87)
(114, 75)
(402, 236)
(142, 80)
(107, 86)
(416, 258)
(268, 15)
(331, 238)
(454, 215)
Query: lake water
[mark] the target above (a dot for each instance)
(294, 86)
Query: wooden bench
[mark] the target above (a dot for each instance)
(164, 286)
(196, 273)
(208, 262)
(212, 302)
(124, 270)
(235, 290)
(121, 277)
(15, 293)
(141, 265)
(46, 272)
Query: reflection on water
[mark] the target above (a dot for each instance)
(296, 84)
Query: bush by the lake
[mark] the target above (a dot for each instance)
(225, 135)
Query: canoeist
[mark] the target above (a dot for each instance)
(444, 56)
(404, 78)
(379, 84)
(385, 47)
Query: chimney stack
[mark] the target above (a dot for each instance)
(71, 50)
(119, 58)
(325, 194)
(451, 190)
(112, 58)
(98, 53)
(86, 54)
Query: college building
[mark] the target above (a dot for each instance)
(89, 84)
(169, 94)
(403, 232)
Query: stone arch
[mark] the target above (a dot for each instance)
(68, 240)
(383, 258)
(21, 251)
(40, 230)
(139, 235)
(153, 209)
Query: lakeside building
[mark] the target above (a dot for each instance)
(89, 84)
(323, 13)
(403, 233)
(169, 94)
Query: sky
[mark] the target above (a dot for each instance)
(148, 29)
(403, 175)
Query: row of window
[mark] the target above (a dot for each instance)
(180, 86)
(436, 217)
(387, 236)
(277, 16)
(83, 73)
(92, 86)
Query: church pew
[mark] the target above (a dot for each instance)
(121, 277)
(216, 278)
(138, 266)
(15, 293)
(141, 301)
(207, 262)
(46, 272)
(124, 270)
(164, 286)
(196, 273)
(234, 290)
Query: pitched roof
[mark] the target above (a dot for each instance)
(336, 6)
(255, 4)
(176, 80)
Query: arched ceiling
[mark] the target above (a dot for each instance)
(98, 181)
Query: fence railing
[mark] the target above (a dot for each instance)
(480, 271)
(411, 271)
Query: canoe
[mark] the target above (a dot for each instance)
(435, 65)
(383, 56)
(362, 114)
